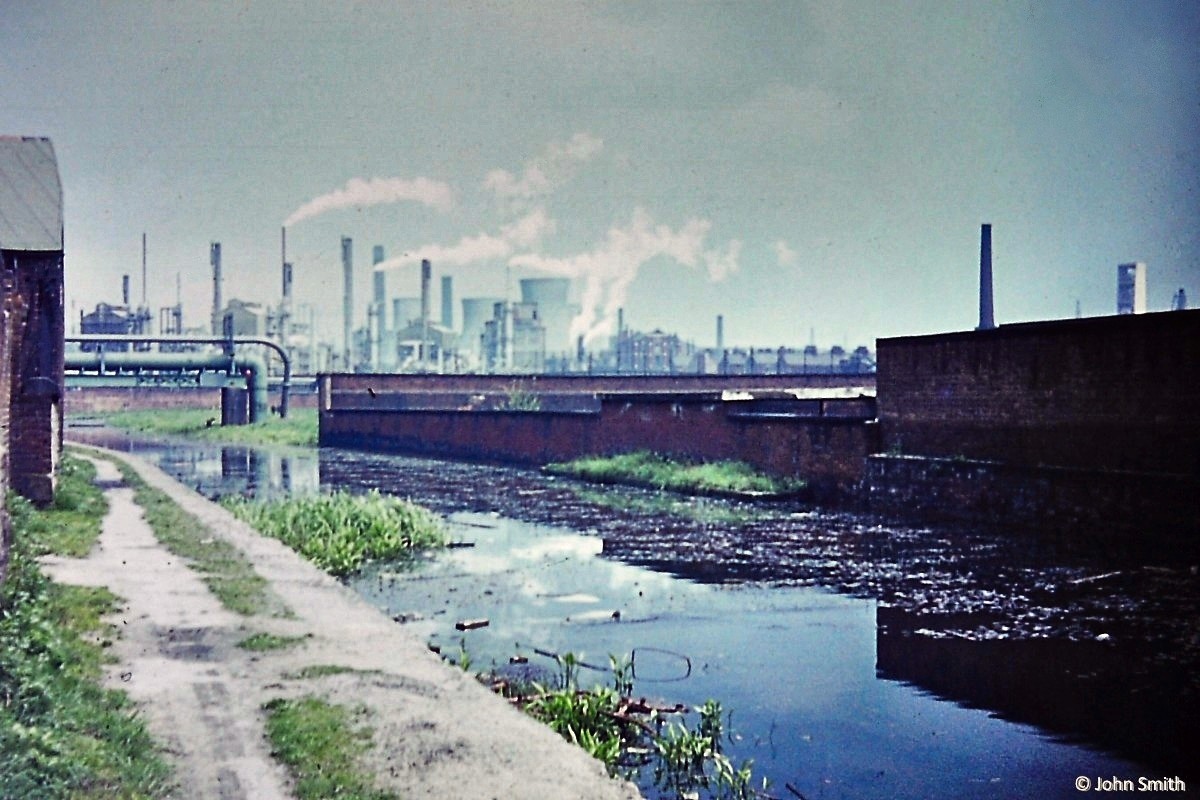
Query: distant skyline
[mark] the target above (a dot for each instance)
(801, 168)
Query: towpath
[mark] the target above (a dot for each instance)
(437, 732)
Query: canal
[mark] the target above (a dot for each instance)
(854, 656)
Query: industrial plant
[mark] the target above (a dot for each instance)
(528, 334)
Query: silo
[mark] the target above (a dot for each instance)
(554, 313)
(475, 312)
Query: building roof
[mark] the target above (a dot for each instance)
(31, 209)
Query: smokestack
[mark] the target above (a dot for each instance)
(143, 272)
(620, 321)
(426, 275)
(379, 293)
(214, 258)
(447, 302)
(986, 319)
(347, 299)
(287, 270)
(720, 332)
(125, 290)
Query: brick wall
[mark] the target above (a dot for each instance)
(1117, 392)
(98, 400)
(827, 451)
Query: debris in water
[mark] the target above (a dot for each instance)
(470, 624)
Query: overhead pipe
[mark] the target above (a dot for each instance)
(228, 342)
(254, 365)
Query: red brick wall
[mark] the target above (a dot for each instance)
(36, 353)
(97, 400)
(828, 452)
(587, 384)
(1118, 392)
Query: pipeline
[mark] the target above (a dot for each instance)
(254, 365)
(228, 342)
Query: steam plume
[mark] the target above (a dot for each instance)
(359, 192)
(608, 271)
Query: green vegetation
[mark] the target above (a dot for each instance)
(299, 429)
(628, 735)
(227, 573)
(650, 469)
(261, 642)
(705, 511)
(74, 522)
(320, 745)
(321, 670)
(518, 398)
(61, 734)
(340, 532)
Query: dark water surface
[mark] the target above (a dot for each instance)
(858, 657)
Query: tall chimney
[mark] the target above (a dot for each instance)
(287, 270)
(143, 272)
(125, 290)
(426, 276)
(986, 319)
(379, 361)
(347, 300)
(447, 302)
(720, 331)
(214, 258)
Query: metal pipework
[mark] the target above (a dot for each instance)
(255, 365)
(221, 340)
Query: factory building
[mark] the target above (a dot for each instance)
(476, 311)
(514, 339)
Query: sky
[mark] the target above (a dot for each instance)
(812, 171)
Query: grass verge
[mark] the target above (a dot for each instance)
(299, 429)
(650, 469)
(320, 745)
(226, 572)
(340, 532)
(61, 734)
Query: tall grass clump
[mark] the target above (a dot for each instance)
(340, 532)
(651, 469)
(61, 734)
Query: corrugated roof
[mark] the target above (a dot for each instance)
(31, 216)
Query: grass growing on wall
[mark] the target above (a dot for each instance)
(340, 532)
(61, 734)
(650, 469)
(299, 429)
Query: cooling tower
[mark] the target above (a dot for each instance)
(475, 312)
(405, 311)
(550, 295)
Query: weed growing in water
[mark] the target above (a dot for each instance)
(628, 735)
(663, 473)
(340, 532)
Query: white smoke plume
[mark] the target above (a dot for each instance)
(545, 172)
(608, 271)
(523, 234)
(359, 192)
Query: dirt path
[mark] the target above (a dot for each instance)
(438, 733)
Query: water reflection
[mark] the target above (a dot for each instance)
(823, 684)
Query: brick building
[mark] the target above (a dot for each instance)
(31, 318)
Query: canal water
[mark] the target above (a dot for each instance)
(854, 657)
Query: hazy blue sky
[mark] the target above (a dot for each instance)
(791, 165)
